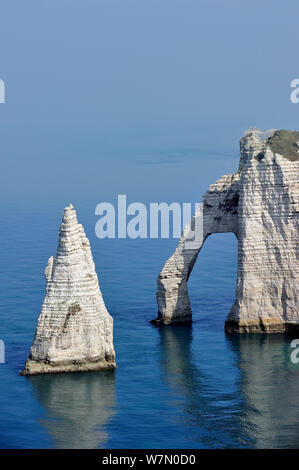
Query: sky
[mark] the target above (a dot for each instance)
(137, 96)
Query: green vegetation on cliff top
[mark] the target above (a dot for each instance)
(285, 143)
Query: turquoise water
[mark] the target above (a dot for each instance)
(174, 387)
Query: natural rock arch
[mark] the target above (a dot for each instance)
(259, 204)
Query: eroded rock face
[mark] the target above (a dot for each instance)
(260, 205)
(74, 330)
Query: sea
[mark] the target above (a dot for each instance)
(174, 387)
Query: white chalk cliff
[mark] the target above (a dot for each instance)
(74, 330)
(260, 205)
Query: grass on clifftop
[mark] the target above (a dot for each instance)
(285, 143)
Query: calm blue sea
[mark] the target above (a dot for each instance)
(147, 99)
(174, 387)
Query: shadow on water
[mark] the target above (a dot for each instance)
(78, 406)
(269, 384)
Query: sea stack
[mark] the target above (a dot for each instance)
(74, 330)
(260, 205)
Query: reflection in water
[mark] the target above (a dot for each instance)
(270, 387)
(252, 402)
(78, 406)
(211, 413)
(222, 392)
